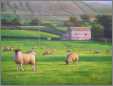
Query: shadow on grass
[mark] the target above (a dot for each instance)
(82, 58)
(52, 58)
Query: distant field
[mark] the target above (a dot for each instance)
(27, 33)
(94, 68)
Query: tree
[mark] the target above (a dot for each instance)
(15, 21)
(97, 31)
(85, 18)
(10, 20)
(73, 21)
(106, 22)
(35, 21)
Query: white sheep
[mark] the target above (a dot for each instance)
(25, 58)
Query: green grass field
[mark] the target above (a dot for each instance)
(93, 68)
(27, 33)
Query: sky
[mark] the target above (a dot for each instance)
(100, 2)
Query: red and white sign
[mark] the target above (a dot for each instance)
(78, 33)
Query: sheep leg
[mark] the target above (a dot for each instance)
(34, 68)
(77, 60)
(66, 61)
(18, 67)
(22, 67)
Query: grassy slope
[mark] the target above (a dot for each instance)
(27, 33)
(92, 69)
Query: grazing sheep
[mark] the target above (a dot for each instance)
(49, 51)
(96, 51)
(25, 58)
(72, 57)
(7, 48)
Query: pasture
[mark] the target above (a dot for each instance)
(95, 66)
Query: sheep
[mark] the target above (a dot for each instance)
(7, 48)
(72, 57)
(49, 51)
(25, 58)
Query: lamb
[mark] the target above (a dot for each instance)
(25, 58)
(49, 51)
(72, 57)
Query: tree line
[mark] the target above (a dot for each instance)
(101, 25)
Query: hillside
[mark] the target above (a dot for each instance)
(27, 34)
(62, 9)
